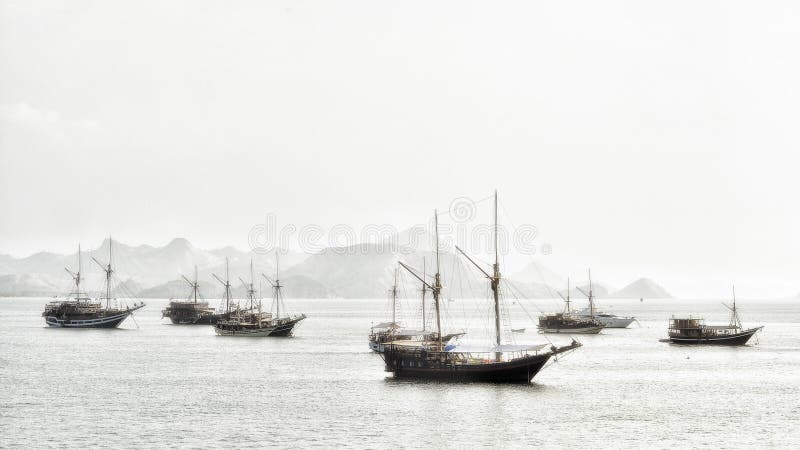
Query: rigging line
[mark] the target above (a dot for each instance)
(519, 302)
(448, 210)
(466, 276)
(530, 258)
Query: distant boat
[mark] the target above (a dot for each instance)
(443, 361)
(695, 331)
(78, 310)
(518, 330)
(252, 321)
(191, 311)
(567, 323)
(607, 319)
(393, 331)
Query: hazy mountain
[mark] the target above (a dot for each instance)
(599, 290)
(301, 286)
(180, 289)
(530, 290)
(359, 271)
(143, 267)
(25, 285)
(538, 273)
(642, 288)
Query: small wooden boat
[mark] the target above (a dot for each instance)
(568, 323)
(252, 322)
(695, 332)
(191, 311)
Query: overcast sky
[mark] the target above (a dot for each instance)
(646, 138)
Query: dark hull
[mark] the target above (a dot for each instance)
(112, 321)
(734, 339)
(285, 330)
(210, 319)
(504, 372)
(444, 366)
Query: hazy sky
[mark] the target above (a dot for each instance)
(642, 138)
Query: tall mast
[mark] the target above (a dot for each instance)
(394, 299)
(734, 315)
(108, 274)
(227, 283)
(424, 290)
(107, 269)
(591, 295)
(78, 275)
(252, 292)
(277, 286)
(195, 287)
(568, 311)
(496, 281)
(437, 282)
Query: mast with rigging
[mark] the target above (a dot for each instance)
(393, 291)
(107, 269)
(424, 291)
(494, 280)
(227, 284)
(195, 285)
(76, 276)
(436, 287)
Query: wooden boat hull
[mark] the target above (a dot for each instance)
(584, 330)
(110, 321)
(405, 365)
(284, 329)
(503, 372)
(207, 319)
(252, 332)
(731, 340)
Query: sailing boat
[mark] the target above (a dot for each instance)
(393, 331)
(191, 311)
(253, 321)
(78, 310)
(607, 319)
(695, 331)
(438, 360)
(566, 322)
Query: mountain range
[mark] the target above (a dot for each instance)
(364, 270)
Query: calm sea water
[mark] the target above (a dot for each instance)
(159, 385)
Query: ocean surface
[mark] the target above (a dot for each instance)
(153, 384)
